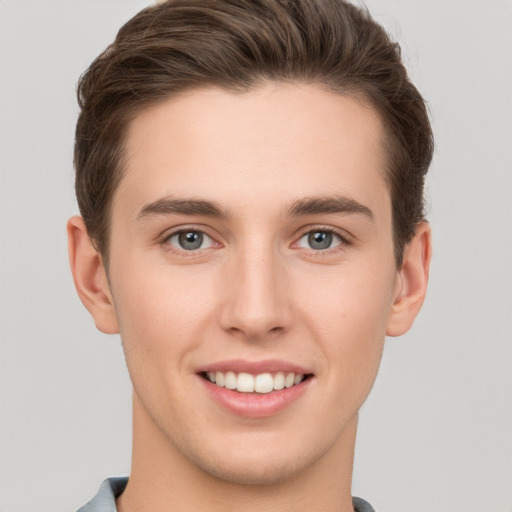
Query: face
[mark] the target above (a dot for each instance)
(252, 246)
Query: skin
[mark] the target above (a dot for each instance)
(255, 290)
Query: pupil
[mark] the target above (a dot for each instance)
(320, 240)
(191, 240)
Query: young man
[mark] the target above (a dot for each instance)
(250, 178)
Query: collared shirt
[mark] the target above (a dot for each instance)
(105, 500)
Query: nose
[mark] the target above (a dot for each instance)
(256, 305)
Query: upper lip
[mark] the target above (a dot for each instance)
(254, 367)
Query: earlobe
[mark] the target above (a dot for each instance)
(90, 277)
(411, 282)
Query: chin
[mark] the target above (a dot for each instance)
(255, 460)
(253, 472)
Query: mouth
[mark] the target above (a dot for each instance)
(261, 383)
(255, 389)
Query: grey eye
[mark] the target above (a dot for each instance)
(190, 240)
(319, 240)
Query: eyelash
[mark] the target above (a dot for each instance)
(344, 240)
(165, 241)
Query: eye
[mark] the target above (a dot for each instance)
(190, 240)
(320, 240)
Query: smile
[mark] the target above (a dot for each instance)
(261, 383)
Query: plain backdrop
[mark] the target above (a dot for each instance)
(436, 433)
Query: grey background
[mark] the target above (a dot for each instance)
(435, 435)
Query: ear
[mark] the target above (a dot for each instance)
(412, 280)
(90, 277)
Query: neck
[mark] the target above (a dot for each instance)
(162, 479)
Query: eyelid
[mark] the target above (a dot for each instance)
(204, 238)
(345, 237)
(169, 233)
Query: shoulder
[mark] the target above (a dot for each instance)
(361, 505)
(105, 499)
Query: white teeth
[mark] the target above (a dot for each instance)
(230, 380)
(245, 383)
(279, 380)
(261, 383)
(289, 380)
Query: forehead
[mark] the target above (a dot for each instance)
(279, 140)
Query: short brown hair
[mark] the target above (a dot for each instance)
(236, 45)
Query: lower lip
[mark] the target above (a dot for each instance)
(255, 405)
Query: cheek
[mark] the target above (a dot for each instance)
(350, 317)
(160, 327)
(355, 300)
(160, 315)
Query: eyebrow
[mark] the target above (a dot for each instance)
(326, 205)
(301, 207)
(169, 205)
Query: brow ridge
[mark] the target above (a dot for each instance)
(326, 205)
(170, 205)
(302, 207)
